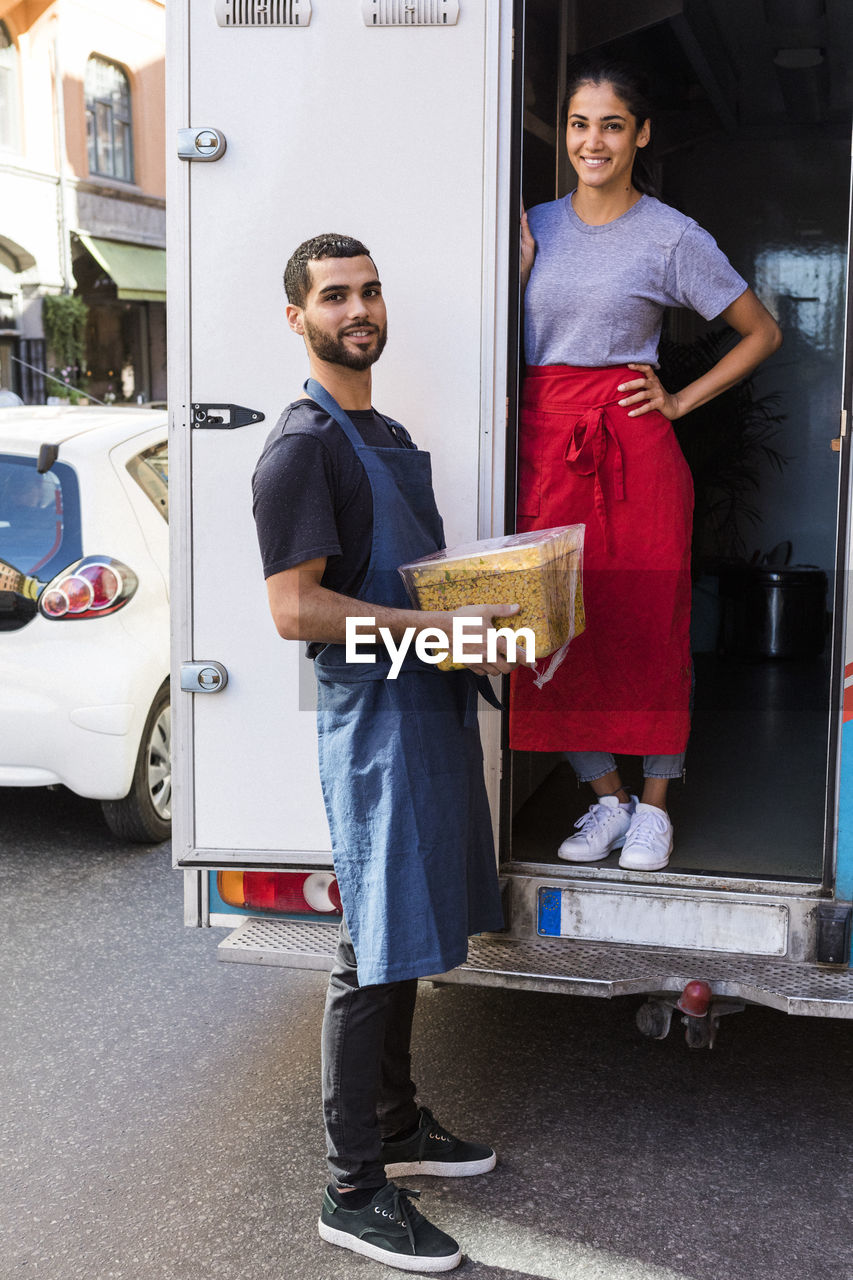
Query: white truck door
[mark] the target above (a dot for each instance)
(398, 135)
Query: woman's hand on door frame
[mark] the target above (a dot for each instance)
(528, 250)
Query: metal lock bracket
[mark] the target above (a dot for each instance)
(201, 144)
(203, 677)
(224, 417)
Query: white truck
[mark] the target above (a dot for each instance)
(418, 127)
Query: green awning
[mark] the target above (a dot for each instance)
(139, 272)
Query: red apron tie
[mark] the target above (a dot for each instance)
(585, 452)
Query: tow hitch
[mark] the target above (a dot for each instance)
(700, 1014)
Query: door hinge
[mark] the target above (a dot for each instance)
(201, 144)
(203, 677)
(842, 426)
(224, 417)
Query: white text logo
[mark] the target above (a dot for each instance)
(430, 645)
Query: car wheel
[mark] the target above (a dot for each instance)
(145, 813)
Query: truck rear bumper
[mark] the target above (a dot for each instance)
(577, 968)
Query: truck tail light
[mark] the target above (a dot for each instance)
(91, 588)
(291, 892)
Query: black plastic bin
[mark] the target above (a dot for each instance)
(773, 613)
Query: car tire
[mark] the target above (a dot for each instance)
(144, 815)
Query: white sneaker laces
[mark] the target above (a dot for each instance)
(597, 816)
(647, 829)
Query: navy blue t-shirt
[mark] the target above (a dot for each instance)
(311, 495)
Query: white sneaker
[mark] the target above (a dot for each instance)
(602, 828)
(648, 844)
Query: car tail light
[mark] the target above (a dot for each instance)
(291, 892)
(92, 588)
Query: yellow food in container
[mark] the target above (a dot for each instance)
(541, 571)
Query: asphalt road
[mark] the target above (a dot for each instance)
(160, 1110)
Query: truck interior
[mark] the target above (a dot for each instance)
(752, 140)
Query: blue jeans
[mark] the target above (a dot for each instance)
(589, 765)
(368, 1092)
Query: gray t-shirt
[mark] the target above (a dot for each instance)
(596, 295)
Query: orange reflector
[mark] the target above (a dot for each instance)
(230, 886)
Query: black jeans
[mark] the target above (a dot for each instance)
(368, 1092)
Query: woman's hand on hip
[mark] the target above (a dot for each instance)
(648, 393)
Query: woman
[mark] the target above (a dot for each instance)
(598, 268)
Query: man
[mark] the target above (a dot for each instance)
(341, 498)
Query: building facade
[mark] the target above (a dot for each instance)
(82, 191)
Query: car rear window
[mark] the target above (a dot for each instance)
(150, 470)
(39, 517)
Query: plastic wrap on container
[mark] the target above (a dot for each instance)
(541, 571)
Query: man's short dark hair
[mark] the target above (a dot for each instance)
(297, 280)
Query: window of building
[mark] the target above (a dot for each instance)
(108, 123)
(8, 91)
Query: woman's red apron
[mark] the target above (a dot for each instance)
(624, 685)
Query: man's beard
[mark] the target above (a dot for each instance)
(335, 351)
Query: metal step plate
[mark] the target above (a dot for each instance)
(572, 968)
(290, 943)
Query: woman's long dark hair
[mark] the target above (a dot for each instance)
(632, 87)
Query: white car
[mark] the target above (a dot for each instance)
(84, 609)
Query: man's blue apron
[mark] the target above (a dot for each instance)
(400, 760)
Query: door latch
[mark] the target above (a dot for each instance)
(201, 144)
(224, 416)
(203, 677)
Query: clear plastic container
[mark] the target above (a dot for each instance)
(541, 571)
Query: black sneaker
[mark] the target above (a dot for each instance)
(432, 1150)
(390, 1230)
